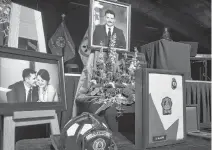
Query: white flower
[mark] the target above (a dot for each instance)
(112, 84)
(93, 81)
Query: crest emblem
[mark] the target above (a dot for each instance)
(99, 144)
(167, 106)
(84, 49)
(60, 42)
(174, 83)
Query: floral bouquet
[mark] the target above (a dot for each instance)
(113, 81)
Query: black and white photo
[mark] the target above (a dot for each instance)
(30, 80)
(109, 19)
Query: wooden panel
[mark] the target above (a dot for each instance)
(10, 124)
(9, 129)
(30, 114)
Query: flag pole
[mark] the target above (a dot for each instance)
(63, 20)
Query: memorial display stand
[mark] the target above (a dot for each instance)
(159, 112)
(26, 118)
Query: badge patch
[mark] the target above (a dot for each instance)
(60, 42)
(167, 106)
(84, 50)
(99, 144)
(174, 83)
(98, 133)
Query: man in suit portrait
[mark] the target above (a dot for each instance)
(103, 33)
(24, 91)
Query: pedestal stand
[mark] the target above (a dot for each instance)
(26, 118)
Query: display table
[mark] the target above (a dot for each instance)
(168, 55)
(109, 115)
(199, 92)
(202, 89)
(191, 143)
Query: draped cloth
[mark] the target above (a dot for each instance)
(168, 55)
(199, 92)
(83, 105)
(71, 81)
(84, 80)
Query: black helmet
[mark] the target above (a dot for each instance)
(84, 132)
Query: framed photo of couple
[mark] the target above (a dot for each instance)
(109, 19)
(30, 81)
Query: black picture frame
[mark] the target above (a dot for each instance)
(142, 109)
(91, 23)
(37, 57)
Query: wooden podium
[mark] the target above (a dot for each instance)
(26, 118)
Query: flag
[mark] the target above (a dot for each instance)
(84, 51)
(61, 43)
(84, 81)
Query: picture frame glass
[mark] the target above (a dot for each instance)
(166, 108)
(12, 73)
(107, 19)
(31, 80)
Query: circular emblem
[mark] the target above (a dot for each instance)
(167, 106)
(99, 144)
(60, 42)
(174, 83)
(84, 50)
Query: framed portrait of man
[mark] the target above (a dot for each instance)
(109, 19)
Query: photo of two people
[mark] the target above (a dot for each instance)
(28, 81)
(34, 87)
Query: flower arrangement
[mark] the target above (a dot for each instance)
(113, 80)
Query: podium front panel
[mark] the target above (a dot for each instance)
(162, 108)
